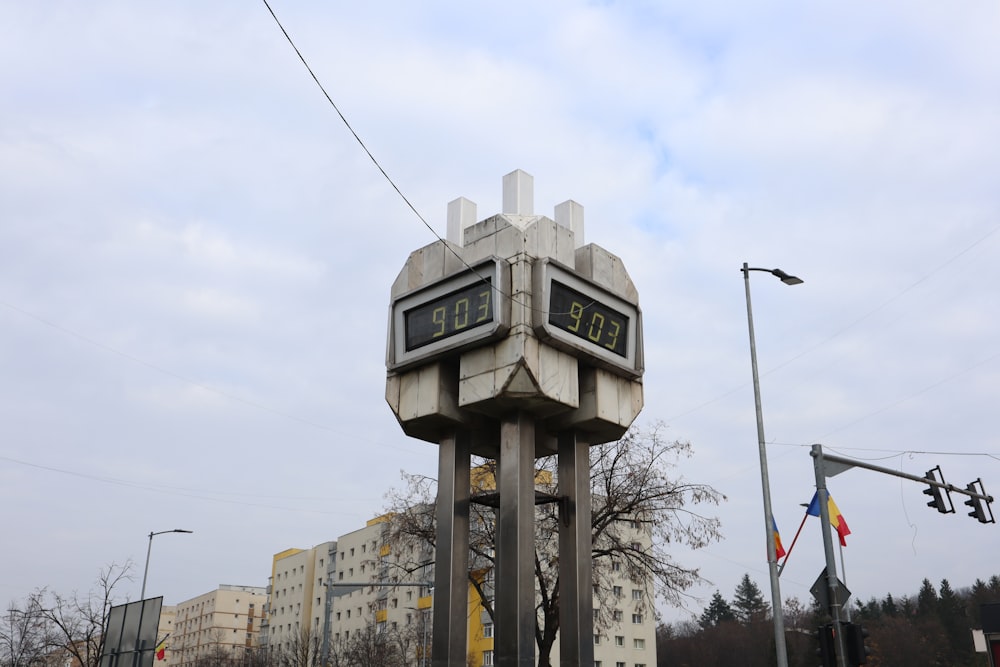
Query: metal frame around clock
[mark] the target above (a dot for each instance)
(495, 270)
(547, 271)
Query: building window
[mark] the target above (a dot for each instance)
(618, 615)
(619, 664)
(597, 640)
(636, 619)
(487, 657)
(619, 640)
(636, 594)
(487, 630)
(639, 644)
(616, 591)
(616, 566)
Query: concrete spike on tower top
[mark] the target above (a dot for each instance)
(518, 200)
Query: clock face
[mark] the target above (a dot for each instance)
(449, 315)
(588, 319)
(580, 316)
(455, 313)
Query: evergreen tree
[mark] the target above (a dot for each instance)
(748, 603)
(868, 611)
(717, 612)
(927, 600)
(889, 606)
(979, 595)
(951, 610)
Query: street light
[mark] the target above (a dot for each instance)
(142, 595)
(772, 560)
(423, 633)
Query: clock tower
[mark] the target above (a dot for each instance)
(512, 339)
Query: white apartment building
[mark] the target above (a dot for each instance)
(297, 596)
(165, 634)
(224, 621)
(373, 587)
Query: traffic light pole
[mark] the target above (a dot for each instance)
(831, 564)
(834, 465)
(826, 465)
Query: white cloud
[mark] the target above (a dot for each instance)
(182, 203)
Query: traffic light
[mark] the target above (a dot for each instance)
(854, 641)
(978, 505)
(827, 650)
(935, 492)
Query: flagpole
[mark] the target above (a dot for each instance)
(792, 545)
(843, 573)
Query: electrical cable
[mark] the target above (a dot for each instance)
(385, 174)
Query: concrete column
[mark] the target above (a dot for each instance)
(576, 582)
(451, 567)
(515, 576)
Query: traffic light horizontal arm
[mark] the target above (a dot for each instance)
(852, 463)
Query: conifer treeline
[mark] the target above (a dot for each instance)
(932, 628)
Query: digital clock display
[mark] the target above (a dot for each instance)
(587, 318)
(449, 315)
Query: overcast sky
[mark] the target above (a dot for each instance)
(196, 256)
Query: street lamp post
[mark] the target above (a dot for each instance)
(149, 549)
(772, 560)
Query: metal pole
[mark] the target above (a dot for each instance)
(149, 549)
(772, 561)
(832, 582)
(843, 572)
(423, 648)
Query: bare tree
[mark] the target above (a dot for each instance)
(217, 655)
(302, 651)
(640, 506)
(370, 647)
(77, 622)
(25, 636)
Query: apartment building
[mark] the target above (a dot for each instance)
(298, 597)
(225, 622)
(377, 587)
(165, 635)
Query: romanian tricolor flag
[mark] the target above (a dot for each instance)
(836, 518)
(779, 550)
